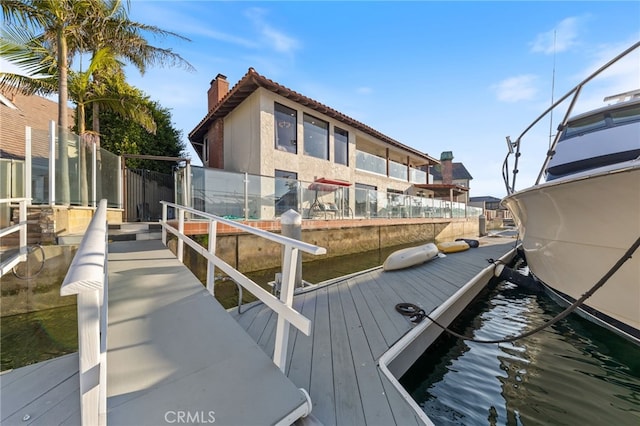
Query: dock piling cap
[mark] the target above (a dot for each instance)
(291, 217)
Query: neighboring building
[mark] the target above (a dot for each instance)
(451, 181)
(263, 128)
(486, 202)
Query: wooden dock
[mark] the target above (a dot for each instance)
(354, 323)
(174, 351)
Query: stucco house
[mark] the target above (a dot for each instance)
(262, 128)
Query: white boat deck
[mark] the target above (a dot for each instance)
(172, 349)
(354, 323)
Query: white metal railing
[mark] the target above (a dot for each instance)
(87, 278)
(282, 306)
(7, 264)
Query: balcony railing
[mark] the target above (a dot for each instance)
(250, 197)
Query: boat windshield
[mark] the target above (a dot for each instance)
(601, 120)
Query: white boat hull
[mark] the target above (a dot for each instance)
(575, 229)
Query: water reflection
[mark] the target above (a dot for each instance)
(572, 373)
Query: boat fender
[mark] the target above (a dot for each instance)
(506, 273)
(414, 312)
(472, 243)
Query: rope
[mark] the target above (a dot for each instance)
(418, 314)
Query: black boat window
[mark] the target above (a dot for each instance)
(584, 125)
(627, 115)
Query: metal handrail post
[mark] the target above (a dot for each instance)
(181, 231)
(22, 217)
(164, 221)
(94, 174)
(286, 297)
(211, 268)
(28, 168)
(52, 163)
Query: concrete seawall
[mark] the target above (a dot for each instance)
(248, 253)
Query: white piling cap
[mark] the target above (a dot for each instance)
(291, 217)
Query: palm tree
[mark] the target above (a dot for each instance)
(61, 24)
(69, 27)
(125, 38)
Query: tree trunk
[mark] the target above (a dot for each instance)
(62, 169)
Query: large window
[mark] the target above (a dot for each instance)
(286, 191)
(341, 146)
(316, 137)
(286, 125)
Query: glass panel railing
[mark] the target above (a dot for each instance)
(371, 163)
(223, 193)
(397, 170)
(417, 176)
(39, 166)
(108, 178)
(261, 200)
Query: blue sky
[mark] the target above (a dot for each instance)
(437, 76)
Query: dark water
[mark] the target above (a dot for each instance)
(573, 373)
(37, 336)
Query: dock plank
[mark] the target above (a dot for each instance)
(26, 390)
(354, 322)
(372, 332)
(322, 385)
(347, 397)
(372, 395)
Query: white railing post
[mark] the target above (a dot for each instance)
(27, 163)
(94, 174)
(181, 231)
(211, 267)
(164, 222)
(286, 297)
(246, 196)
(120, 188)
(87, 278)
(52, 163)
(22, 217)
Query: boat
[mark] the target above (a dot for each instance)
(453, 246)
(584, 217)
(410, 256)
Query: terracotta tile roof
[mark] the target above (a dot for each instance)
(252, 81)
(33, 111)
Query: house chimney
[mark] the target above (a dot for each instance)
(447, 167)
(219, 88)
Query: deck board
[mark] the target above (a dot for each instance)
(321, 365)
(372, 396)
(354, 322)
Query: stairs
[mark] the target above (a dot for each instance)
(130, 231)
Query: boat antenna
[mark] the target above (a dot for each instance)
(553, 85)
